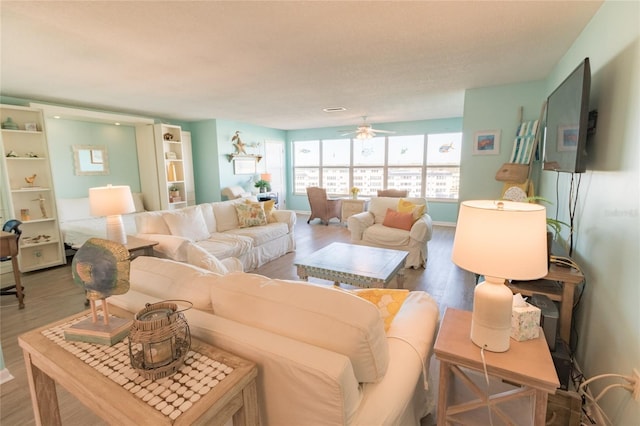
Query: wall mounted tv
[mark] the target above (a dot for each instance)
(567, 123)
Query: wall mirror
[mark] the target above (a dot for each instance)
(90, 160)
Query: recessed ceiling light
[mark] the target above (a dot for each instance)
(116, 123)
(334, 109)
(56, 116)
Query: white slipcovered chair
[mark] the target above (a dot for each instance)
(233, 192)
(377, 227)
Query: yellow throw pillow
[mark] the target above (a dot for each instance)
(267, 206)
(388, 301)
(406, 206)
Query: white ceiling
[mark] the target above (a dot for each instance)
(278, 64)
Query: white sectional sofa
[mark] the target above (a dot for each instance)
(216, 228)
(322, 353)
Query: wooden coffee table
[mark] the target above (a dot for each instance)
(361, 266)
(101, 378)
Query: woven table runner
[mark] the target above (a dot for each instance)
(171, 396)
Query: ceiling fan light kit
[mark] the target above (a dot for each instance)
(364, 131)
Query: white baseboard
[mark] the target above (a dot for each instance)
(452, 224)
(5, 376)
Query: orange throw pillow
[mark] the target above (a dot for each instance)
(399, 220)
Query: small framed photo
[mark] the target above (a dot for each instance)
(567, 138)
(96, 156)
(486, 142)
(170, 155)
(31, 127)
(244, 166)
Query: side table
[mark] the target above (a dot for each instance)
(102, 378)
(525, 372)
(135, 245)
(351, 206)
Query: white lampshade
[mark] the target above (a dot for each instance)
(112, 201)
(499, 240)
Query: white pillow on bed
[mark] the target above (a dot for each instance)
(137, 202)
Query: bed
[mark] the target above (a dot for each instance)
(77, 225)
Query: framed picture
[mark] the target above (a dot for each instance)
(170, 155)
(96, 156)
(244, 166)
(31, 127)
(486, 142)
(567, 138)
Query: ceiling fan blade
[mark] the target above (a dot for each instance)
(381, 131)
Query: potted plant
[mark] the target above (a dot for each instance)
(263, 185)
(554, 226)
(174, 192)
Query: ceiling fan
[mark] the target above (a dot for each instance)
(364, 131)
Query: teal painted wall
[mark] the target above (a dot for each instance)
(445, 212)
(211, 142)
(607, 220)
(494, 108)
(120, 143)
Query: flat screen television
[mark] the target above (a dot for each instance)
(567, 123)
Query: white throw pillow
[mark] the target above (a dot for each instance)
(170, 280)
(188, 223)
(152, 223)
(226, 216)
(322, 316)
(209, 218)
(201, 258)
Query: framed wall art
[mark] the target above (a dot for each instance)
(486, 142)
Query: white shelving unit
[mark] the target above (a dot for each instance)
(25, 158)
(161, 160)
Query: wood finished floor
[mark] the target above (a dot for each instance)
(51, 295)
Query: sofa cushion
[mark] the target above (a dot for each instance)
(385, 236)
(167, 279)
(387, 300)
(223, 245)
(322, 316)
(188, 223)
(398, 220)
(201, 258)
(262, 234)
(209, 217)
(225, 214)
(152, 223)
(250, 214)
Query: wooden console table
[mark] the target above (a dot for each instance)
(559, 285)
(123, 397)
(525, 376)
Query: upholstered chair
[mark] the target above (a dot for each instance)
(395, 193)
(323, 208)
(233, 192)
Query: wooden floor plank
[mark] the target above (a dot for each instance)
(51, 295)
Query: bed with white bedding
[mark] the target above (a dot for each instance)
(77, 225)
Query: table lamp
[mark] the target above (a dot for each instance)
(112, 202)
(500, 240)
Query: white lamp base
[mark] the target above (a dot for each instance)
(491, 319)
(115, 229)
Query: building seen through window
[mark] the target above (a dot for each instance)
(424, 165)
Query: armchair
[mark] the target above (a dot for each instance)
(370, 228)
(233, 192)
(395, 193)
(322, 207)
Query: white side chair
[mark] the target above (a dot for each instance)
(233, 192)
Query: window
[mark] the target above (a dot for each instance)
(424, 165)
